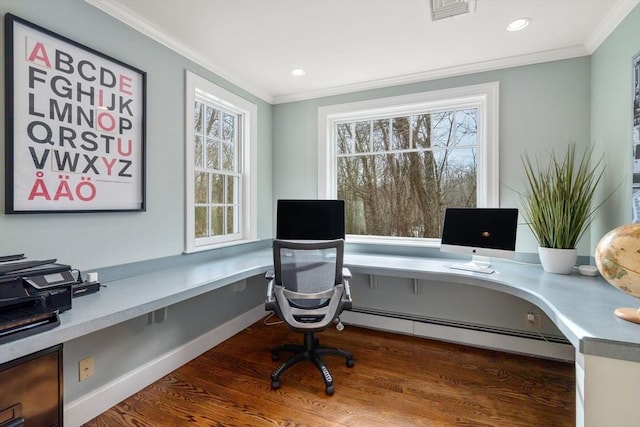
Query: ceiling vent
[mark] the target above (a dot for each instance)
(441, 9)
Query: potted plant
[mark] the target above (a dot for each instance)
(558, 204)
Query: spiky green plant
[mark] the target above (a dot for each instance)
(558, 203)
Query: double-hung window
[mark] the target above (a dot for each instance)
(220, 177)
(399, 162)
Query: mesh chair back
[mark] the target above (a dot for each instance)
(309, 267)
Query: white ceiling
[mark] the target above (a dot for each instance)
(347, 45)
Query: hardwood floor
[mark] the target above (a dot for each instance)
(397, 381)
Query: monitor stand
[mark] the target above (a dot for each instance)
(478, 264)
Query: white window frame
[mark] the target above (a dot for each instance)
(247, 163)
(482, 96)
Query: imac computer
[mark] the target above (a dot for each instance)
(481, 233)
(310, 220)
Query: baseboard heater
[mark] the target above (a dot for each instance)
(533, 344)
(462, 325)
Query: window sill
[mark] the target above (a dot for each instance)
(218, 245)
(393, 241)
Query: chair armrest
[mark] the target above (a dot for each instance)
(270, 298)
(346, 276)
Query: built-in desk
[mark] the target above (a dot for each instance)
(580, 306)
(124, 299)
(607, 348)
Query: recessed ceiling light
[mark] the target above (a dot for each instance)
(298, 72)
(519, 24)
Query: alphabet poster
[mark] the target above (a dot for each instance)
(75, 126)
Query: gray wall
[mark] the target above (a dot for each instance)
(541, 107)
(611, 119)
(449, 302)
(104, 239)
(125, 347)
(95, 240)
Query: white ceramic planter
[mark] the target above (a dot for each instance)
(558, 261)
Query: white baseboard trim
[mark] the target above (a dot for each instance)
(93, 404)
(494, 341)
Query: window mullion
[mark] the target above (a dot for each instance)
(209, 204)
(454, 126)
(410, 131)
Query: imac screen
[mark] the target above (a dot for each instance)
(480, 231)
(310, 220)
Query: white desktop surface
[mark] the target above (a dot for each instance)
(580, 306)
(607, 348)
(125, 299)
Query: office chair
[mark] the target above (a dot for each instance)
(308, 290)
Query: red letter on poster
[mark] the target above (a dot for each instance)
(39, 53)
(125, 84)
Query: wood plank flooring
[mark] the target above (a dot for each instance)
(397, 381)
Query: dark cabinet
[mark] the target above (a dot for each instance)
(31, 390)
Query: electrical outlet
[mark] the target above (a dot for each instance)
(85, 368)
(533, 320)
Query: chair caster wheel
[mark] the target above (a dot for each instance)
(329, 390)
(350, 363)
(275, 385)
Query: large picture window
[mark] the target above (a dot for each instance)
(220, 177)
(398, 163)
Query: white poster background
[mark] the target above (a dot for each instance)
(78, 132)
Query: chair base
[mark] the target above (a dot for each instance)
(311, 351)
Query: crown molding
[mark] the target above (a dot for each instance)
(609, 23)
(601, 32)
(478, 67)
(161, 37)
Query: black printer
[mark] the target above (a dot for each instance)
(32, 294)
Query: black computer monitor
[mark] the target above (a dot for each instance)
(480, 232)
(310, 219)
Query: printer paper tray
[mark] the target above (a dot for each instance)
(23, 323)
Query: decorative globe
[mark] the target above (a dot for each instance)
(618, 258)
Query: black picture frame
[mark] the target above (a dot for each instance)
(75, 131)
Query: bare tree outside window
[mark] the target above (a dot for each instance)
(397, 175)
